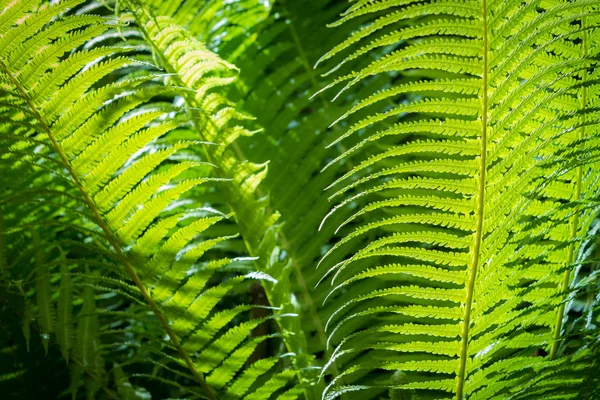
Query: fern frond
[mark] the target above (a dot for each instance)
(64, 329)
(499, 69)
(186, 214)
(136, 203)
(200, 70)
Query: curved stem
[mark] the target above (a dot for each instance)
(472, 271)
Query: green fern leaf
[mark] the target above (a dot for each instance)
(64, 330)
(477, 64)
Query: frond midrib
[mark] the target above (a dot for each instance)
(480, 208)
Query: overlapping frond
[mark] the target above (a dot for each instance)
(216, 121)
(275, 53)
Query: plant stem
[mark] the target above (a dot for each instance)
(472, 271)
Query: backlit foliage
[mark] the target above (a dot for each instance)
(311, 199)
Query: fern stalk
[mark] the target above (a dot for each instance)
(472, 271)
(109, 235)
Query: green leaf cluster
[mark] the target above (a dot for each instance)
(244, 199)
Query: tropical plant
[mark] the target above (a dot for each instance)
(244, 199)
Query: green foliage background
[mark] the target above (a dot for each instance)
(309, 199)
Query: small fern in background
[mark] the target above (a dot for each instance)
(210, 199)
